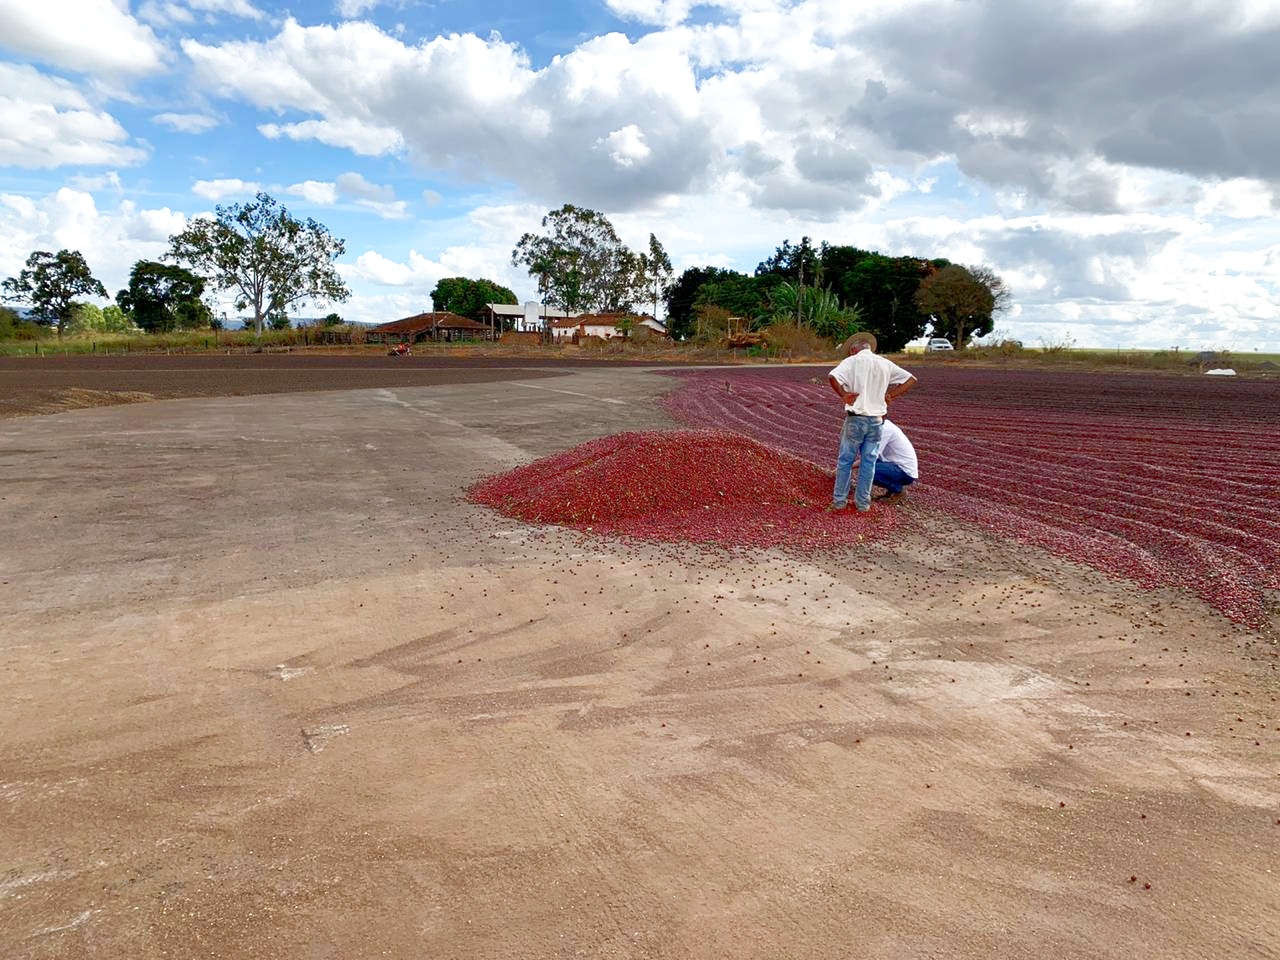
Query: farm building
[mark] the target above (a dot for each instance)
(439, 325)
(603, 325)
(531, 316)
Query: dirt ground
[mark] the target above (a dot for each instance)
(269, 688)
(51, 384)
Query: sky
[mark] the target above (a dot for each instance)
(1117, 162)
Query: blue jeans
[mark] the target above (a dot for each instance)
(859, 440)
(892, 477)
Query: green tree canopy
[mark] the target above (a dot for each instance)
(87, 318)
(468, 298)
(52, 283)
(265, 257)
(163, 297)
(114, 319)
(743, 296)
(801, 264)
(962, 301)
(580, 263)
(883, 288)
(681, 298)
(655, 268)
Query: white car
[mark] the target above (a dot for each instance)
(938, 343)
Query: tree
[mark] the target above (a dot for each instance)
(264, 256)
(114, 319)
(51, 283)
(962, 301)
(801, 264)
(656, 267)
(331, 320)
(163, 297)
(580, 263)
(469, 298)
(682, 296)
(1001, 295)
(87, 318)
(740, 295)
(883, 288)
(743, 296)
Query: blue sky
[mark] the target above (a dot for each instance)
(1117, 161)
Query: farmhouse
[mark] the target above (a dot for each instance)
(603, 325)
(439, 325)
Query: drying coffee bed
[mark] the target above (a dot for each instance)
(1162, 480)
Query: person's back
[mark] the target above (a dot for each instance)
(869, 375)
(895, 448)
(866, 383)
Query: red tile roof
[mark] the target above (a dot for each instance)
(438, 320)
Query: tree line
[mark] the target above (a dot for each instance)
(835, 290)
(256, 251)
(580, 264)
(269, 262)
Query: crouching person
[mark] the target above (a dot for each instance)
(896, 467)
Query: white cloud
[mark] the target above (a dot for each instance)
(89, 36)
(111, 240)
(666, 13)
(234, 8)
(48, 122)
(373, 266)
(220, 189)
(387, 210)
(350, 9)
(368, 140)
(315, 191)
(155, 225)
(475, 107)
(626, 146)
(110, 179)
(164, 13)
(1239, 199)
(187, 122)
(355, 185)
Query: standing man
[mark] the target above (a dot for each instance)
(866, 383)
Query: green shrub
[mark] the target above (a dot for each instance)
(13, 327)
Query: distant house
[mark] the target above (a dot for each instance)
(530, 316)
(439, 325)
(603, 325)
